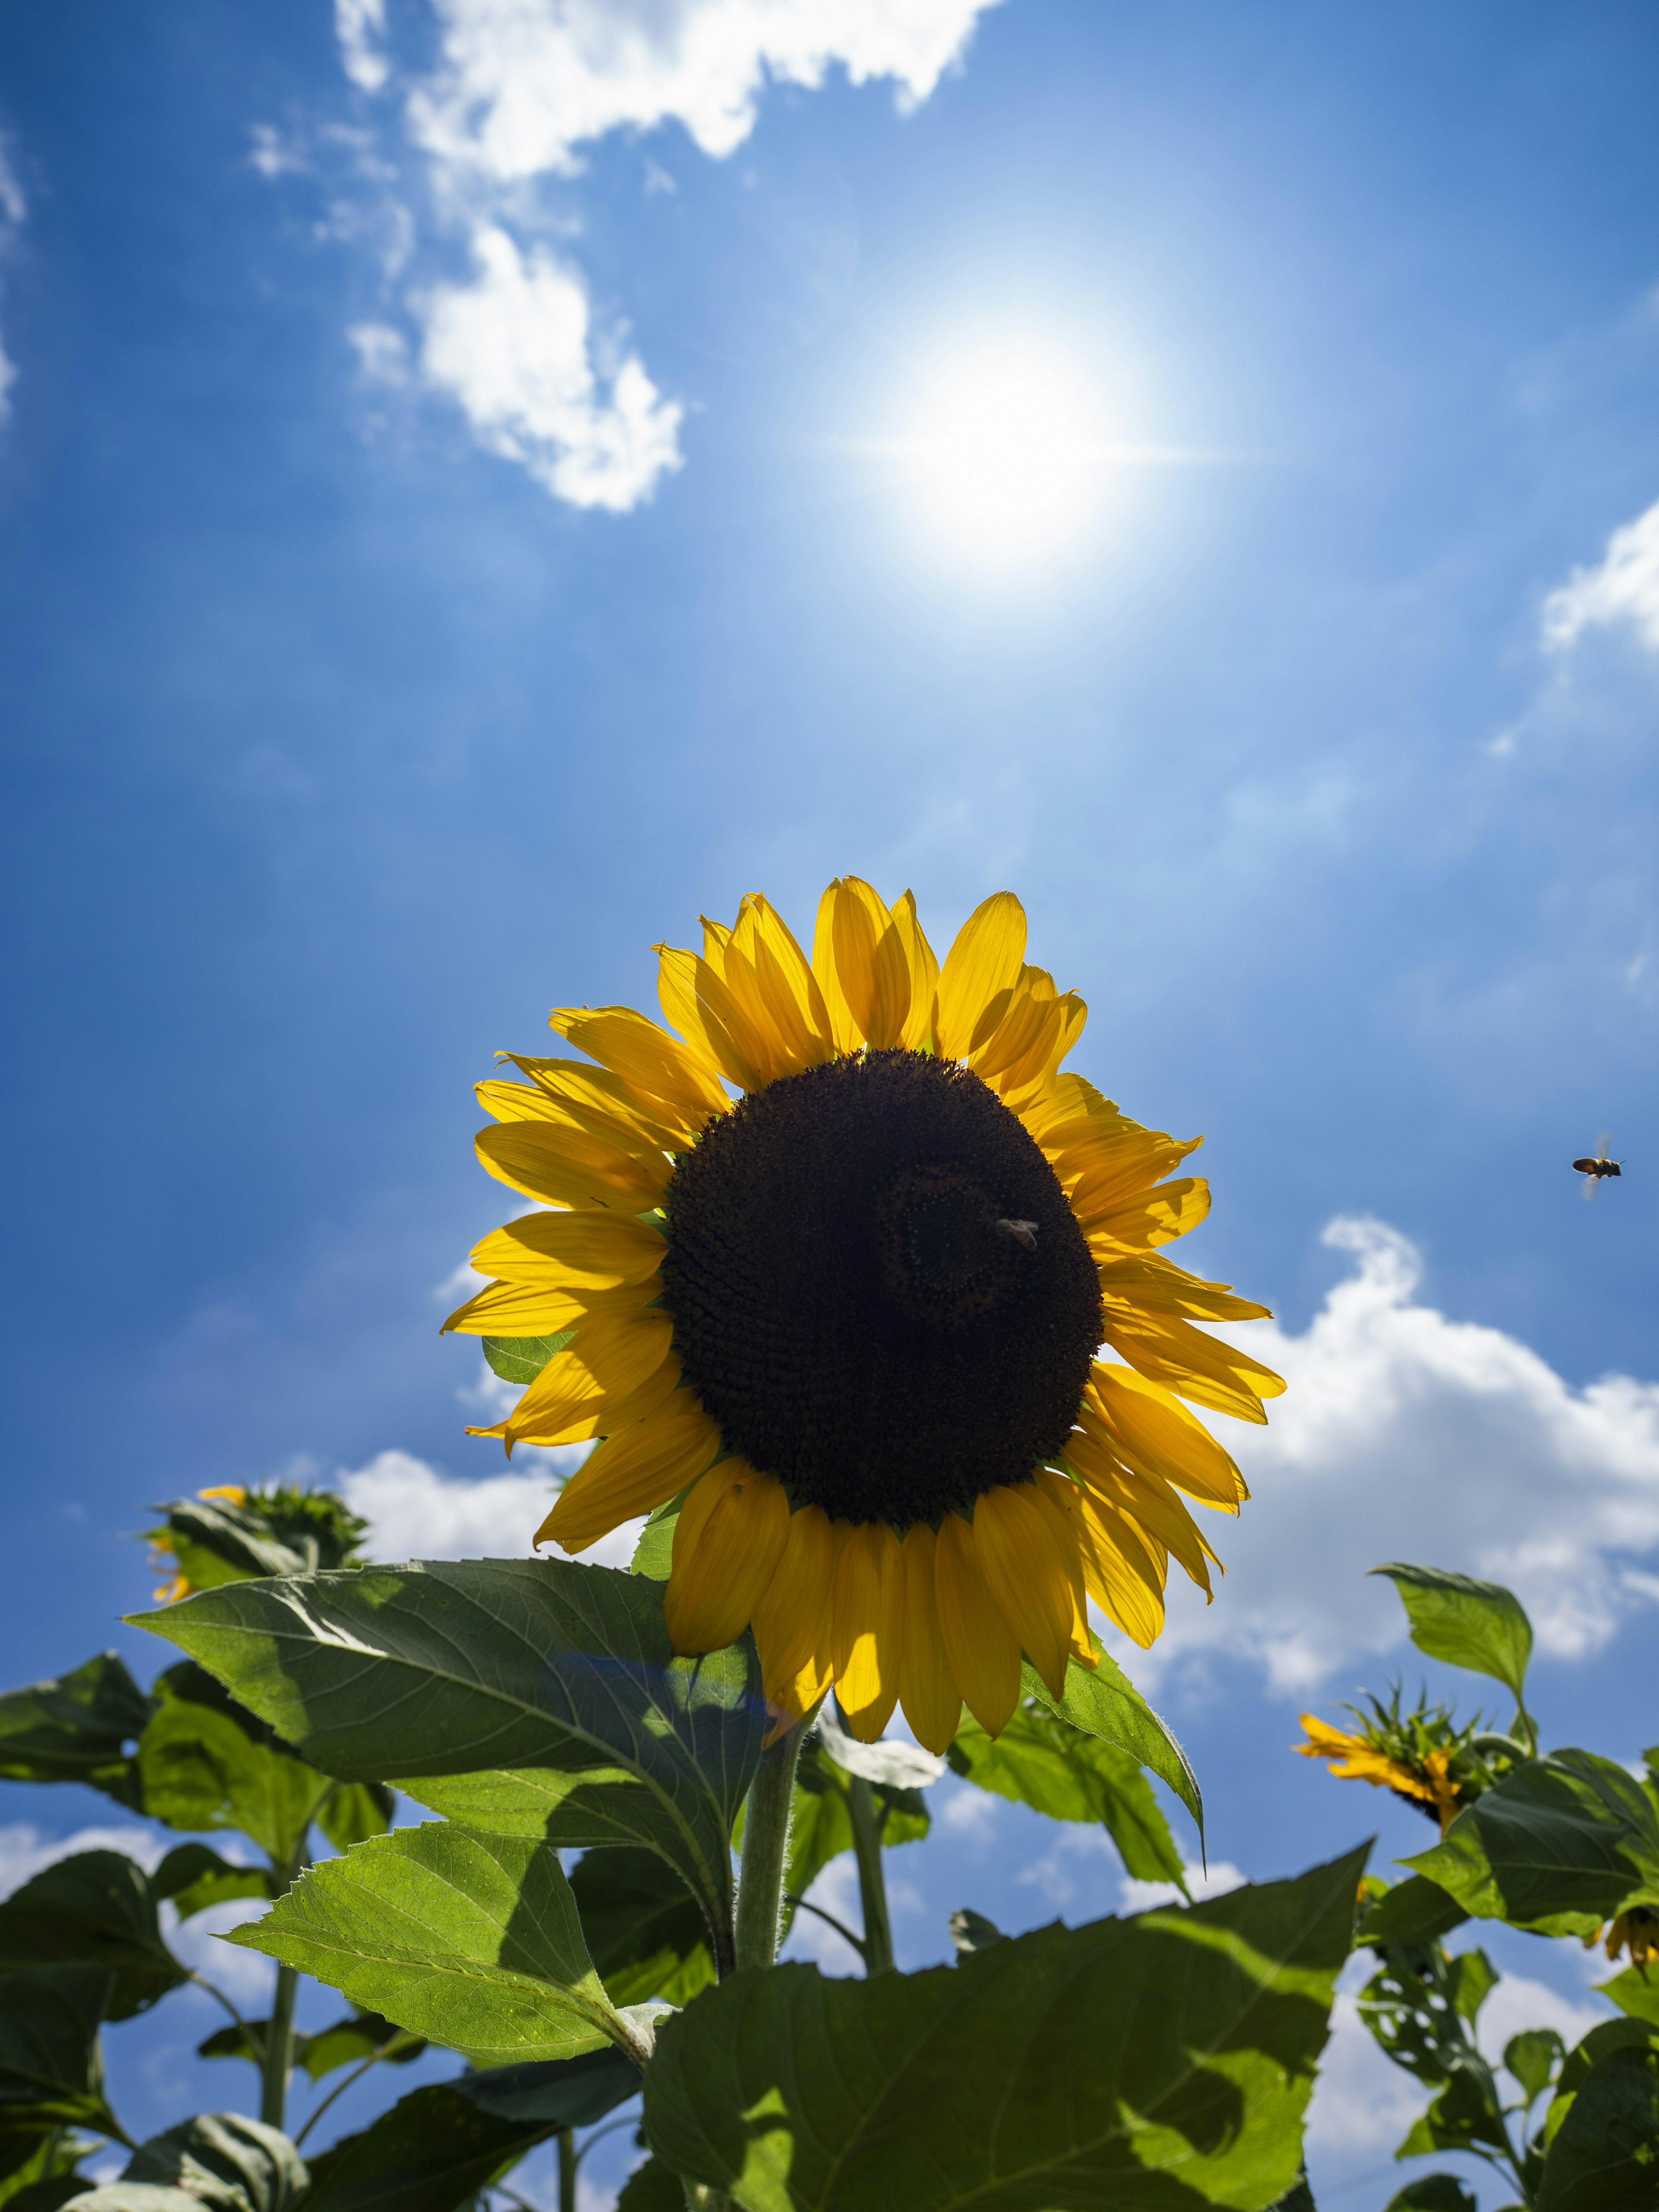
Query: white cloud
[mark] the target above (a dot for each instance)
(1407, 1435)
(414, 1512)
(525, 82)
(383, 358)
(12, 213)
(360, 25)
(1216, 1881)
(1621, 591)
(25, 1849)
(270, 157)
(514, 348)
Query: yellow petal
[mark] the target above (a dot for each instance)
(1150, 1431)
(982, 1651)
(1152, 1504)
(1019, 1096)
(1198, 1367)
(1124, 1572)
(923, 966)
(1156, 1217)
(871, 964)
(793, 1615)
(635, 1470)
(927, 1689)
(1020, 1557)
(1107, 1170)
(1153, 1284)
(574, 1251)
(984, 962)
(869, 1620)
(536, 1309)
(647, 1058)
(784, 979)
(565, 1166)
(591, 1097)
(614, 1355)
(677, 992)
(1057, 1498)
(713, 1592)
(844, 1029)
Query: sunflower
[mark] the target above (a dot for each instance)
(1424, 1782)
(850, 1318)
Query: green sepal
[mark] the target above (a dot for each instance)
(1163, 2059)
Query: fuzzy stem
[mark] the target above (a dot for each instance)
(867, 1825)
(766, 1849)
(273, 2088)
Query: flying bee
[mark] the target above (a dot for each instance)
(1593, 1170)
(1024, 1232)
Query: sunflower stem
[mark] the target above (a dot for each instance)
(868, 1824)
(766, 1849)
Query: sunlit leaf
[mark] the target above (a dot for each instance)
(1159, 2061)
(1037, 1760)
(204, 1761)
(1102, 1701)
(1478, 1626)
(471, 1940)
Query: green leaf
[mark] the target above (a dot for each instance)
(1478, 1626)
(41, 2173)
(420, 1674)
(223, 2162)
(49, 2076)
(1462, 2117)
(652, 2188)
(1162, 2060)
(1039, 1761)
(1433, 2192)
(95, 1911)
(1415, 1910)
(521, 1359)
(195, 1877)
(470, 1939)
(137, 2197)
(1297, 2199)
(1606, 2036)
(356, 1812)
(1604, 2155)
(1633, 1993)
(206, 1762)
(1105, 1703)
(971, 1932)
(442, 2144)
(653, 1555)
(1470, 1980)
(1532, 2057)
(51, 2192)
(75, 1728)
(645, 1931)
(349, 2042)
(1560, 1845)
(217, 1542)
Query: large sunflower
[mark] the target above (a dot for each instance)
(850, 1316)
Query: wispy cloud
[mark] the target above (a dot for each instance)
(1620, 592)
(13, 211)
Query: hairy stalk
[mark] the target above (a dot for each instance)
(766, 1849)
(566, 2142)
(273, 2075)
(867, 1825)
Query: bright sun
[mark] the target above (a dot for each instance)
(1010, 448)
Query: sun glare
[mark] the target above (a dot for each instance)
(1011, 449)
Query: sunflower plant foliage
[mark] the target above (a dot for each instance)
(862, 1299)
(1561, 1843)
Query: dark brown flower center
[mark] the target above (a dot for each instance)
(878, 1289)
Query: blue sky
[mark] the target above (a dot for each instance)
(465, 509)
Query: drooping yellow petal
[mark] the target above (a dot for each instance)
(927, 1688)
(868, 1630)
(1057, 1498)
(983, 1649)
(614, 1355)
(1021, 1091)
(595, 1251)
(565, 1166)
(1197, 1366)
(923, 966)
(793, 1615)
(647, 1058)
(1068, 1109)
(1150, 1504)
(1020, 1044)
(843, 1025)
(1147, 1282)
(536, 1309)
(871, 964)
(1150, 1218)
(1123, 1570)
(635, 1470)
(717, 1580)
(1021, 1559)
(1151, 1431)
(984, 962)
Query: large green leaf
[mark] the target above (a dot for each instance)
(41, 2174)
(75, 1728)
(50, 2074)
(1102, 1701)
(195, 1877)
(652, 2188)
(216, 1541)
(1433, 2192)
(1604, 2154)
(224, 2162)
(1415, 1910)
(1142, 2065)
(1478, 1626)
(1037, 1760)
(471, 1940)
(414, 1674)
(95, 1910)
(348, 2042)
(645, 1931)
(206, 1762)
(354, 1812)
(1561, 1844)
(440, 2145)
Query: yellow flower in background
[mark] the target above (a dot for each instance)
(1635, 1933)
(852, 1314)
(1427, 1781)
(180, 1585)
